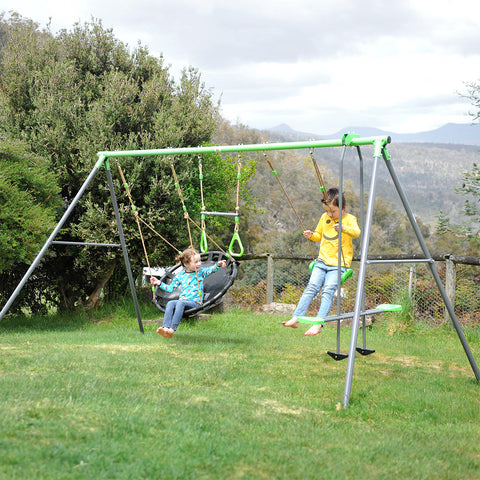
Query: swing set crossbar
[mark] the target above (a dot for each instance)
(385, 307)
(348, 140)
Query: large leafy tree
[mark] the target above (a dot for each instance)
(28, 195)
(29, 203)
(83, 91)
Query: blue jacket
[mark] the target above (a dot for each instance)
(190, 288)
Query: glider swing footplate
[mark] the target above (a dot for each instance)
(337, 356)
(385, 307)
(365, 351)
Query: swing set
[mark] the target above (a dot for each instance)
(348, 141)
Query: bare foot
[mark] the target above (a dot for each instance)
(314, 330)
(163, 332)
(170, 332)
(291, 323)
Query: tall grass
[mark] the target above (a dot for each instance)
(233, 396)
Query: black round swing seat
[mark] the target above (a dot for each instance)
(215, 285)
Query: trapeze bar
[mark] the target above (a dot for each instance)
(59, 242)
(221, 214)
(407, 260)
(348, 140)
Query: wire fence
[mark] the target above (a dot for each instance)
(267, 279)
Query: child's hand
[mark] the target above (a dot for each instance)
(307, 233)
(222, 263)
(154, 281)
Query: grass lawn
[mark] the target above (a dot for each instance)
(236, 396)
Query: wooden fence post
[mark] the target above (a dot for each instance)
(270, 270)
(450, 283)
(412, 282)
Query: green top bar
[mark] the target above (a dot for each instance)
(348, 140)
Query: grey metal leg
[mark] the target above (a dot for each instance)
(50, 239)
(124, 246)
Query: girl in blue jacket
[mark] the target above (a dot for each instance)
(191, 282)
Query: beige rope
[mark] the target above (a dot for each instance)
(154, 231)
(187, 216)
(323, 189)
(127, 189)
(239, 176)
(289, 201)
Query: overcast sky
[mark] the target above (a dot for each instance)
(317, 65)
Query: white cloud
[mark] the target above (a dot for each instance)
(317, 66)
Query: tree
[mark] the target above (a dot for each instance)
(469, 230)
(29, 202)
(82, 91)
(464, 238)
(473, 94)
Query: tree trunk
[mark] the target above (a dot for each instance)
(67, 299)
(94, 298)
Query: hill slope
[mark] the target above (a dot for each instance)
(428, 172)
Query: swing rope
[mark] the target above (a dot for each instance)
(137, 218)
(348, 272)
(203, 235)
(236, 235)
(185, 212)
(203, 230)
(187, 217)
(190, 220)
(209, 237)
(163, 238)
(289, 201)
(323, 189)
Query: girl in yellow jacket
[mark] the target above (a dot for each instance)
(325, 272)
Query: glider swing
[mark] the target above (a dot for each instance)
(217, 284)
(342, 277)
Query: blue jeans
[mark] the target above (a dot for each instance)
(322, 276)
(174, 312)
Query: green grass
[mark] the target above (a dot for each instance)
(236, 396)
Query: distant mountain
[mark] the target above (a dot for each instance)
(283, 127)
(430, 165)
(451, 133)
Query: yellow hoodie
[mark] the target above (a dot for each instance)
(328, 238)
